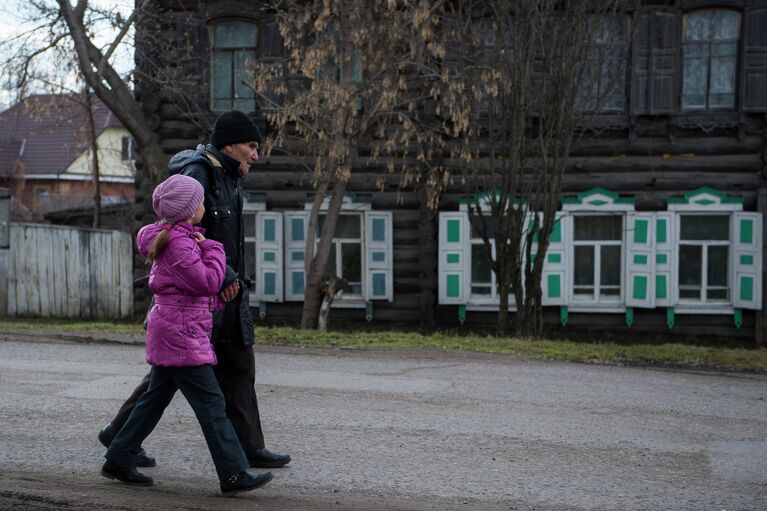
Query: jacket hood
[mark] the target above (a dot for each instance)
(146, 236)
(148, 233)
(179, 161)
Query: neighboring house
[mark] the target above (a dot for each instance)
(662, 220)
(46, 160)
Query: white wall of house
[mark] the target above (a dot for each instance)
(111, 162)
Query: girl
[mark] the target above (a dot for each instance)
(187, 274)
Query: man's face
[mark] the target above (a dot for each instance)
(245, 152)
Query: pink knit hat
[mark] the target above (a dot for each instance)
(177, 198)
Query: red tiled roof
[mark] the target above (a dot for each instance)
(52, 129)
(9, 155)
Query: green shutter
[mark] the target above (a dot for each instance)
(553, 287)
(453, 286)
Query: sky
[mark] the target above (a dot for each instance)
(13, 24)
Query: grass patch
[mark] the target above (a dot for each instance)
(657, 352)
(650, 350)
(65, 325)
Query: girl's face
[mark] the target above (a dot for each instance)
(195, 219)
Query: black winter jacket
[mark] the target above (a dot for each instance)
(221, 178)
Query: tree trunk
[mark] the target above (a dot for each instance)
(92, 135)
(312, 303)
(317, 266)
(110, 88)
(334, 286)
(502, 325)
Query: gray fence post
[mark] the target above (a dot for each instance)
(5, 243)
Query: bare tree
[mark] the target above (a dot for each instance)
(347, 85)
(60, 30)
(526, 66)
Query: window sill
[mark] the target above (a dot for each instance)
(704, 309)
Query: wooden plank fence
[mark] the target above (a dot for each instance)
(67, 272)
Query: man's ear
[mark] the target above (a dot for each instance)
(227, 150)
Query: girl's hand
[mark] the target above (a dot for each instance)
(198, 236)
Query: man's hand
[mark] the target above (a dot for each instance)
(230, 292)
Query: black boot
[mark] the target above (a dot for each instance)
(244, 481)
(125, 475)
(265, 458)
(141, 458)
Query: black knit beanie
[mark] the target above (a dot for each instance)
(232, 128)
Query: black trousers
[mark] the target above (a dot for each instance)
(236, 375)
(198, 384)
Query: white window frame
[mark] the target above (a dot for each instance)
(252, 206)
(352, 204)
(595, 202)
(337, 243)
(481, 299)
(473, 302)
(705, 244)
(596, 298)
(704, 201)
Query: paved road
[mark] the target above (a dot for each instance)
(399, 430)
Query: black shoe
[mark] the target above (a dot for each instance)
(265, 458)
(244, 481)
(125, 475)
(106, 435)
(142, 459)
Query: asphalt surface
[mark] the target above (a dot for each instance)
(379, 429)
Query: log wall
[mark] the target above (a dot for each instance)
(651, 158)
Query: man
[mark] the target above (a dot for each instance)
(221, 167)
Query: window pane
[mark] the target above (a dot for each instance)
(481, 290)
(695, 72)
(693, 293)
(476, 223)
(480, 266)
(245, 105)
(584, 265)
(694, 101)
(717, 294)
(712, 24)
(221, 74)
(598, 227)
(724, 24)
(351, 262)
(347, 226)
(690, 261)
(332, 267)
(722, 101)
(695, 75)
(219, 105)
(610, 262)
(236, 34)
(722, 75)
(717, 266)
(245, 76)
(697, 25)
(249, 220)
(705, 227)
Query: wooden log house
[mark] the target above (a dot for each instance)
(662, 220)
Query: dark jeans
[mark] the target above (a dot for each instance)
(199, 387)
(236, 375)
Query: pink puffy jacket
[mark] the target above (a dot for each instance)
(185, 279)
